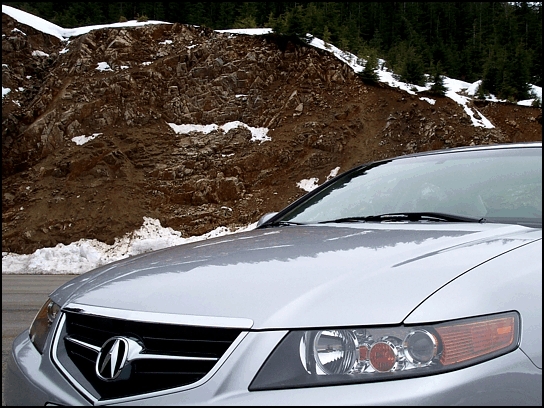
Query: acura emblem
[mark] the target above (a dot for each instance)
(112, 358)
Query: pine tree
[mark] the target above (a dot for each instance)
(408, 64)
(247, 16)
(492, 72)
(438, 87)
(295, 23)
(516, 75)
(369, 73)
(225, 16)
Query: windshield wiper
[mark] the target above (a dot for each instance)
(281, 224)
(409, 216)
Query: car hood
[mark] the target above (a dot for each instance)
(297, 276)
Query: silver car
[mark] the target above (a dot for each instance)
(415, 280)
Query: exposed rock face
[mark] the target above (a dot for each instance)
(319, 114)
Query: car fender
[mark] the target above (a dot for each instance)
(511, 281)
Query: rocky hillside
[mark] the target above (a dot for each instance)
(319, 113)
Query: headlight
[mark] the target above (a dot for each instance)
(356, 355)
(39, 329)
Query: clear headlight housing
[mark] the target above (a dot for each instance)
(356, 355)
(39, 329)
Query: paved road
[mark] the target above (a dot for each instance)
(22, 296)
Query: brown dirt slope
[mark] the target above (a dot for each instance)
(320, 115)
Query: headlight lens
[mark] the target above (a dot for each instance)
(39, 329)
(355, 355)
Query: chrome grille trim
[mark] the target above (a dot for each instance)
(83, 344)
(57, 339)
(142, 356)
(155, 317)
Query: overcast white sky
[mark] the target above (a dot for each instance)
(86, 254)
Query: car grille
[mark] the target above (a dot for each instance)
(171, 355)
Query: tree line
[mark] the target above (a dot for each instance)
(499, 43)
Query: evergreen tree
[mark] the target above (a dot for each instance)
(197, 15)
(247, 10)
(271, 22)
(408, 64)
(279, 24)
(295, 23)
(245, 22)
(438, 87)
(515, 81)
(315, 21)
(80, 14)
(369, 73)
(376, 42)
(491, 79)
(224, 17)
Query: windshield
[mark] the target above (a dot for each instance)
(502, 185)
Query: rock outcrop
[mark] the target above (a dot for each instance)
(125, 88)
